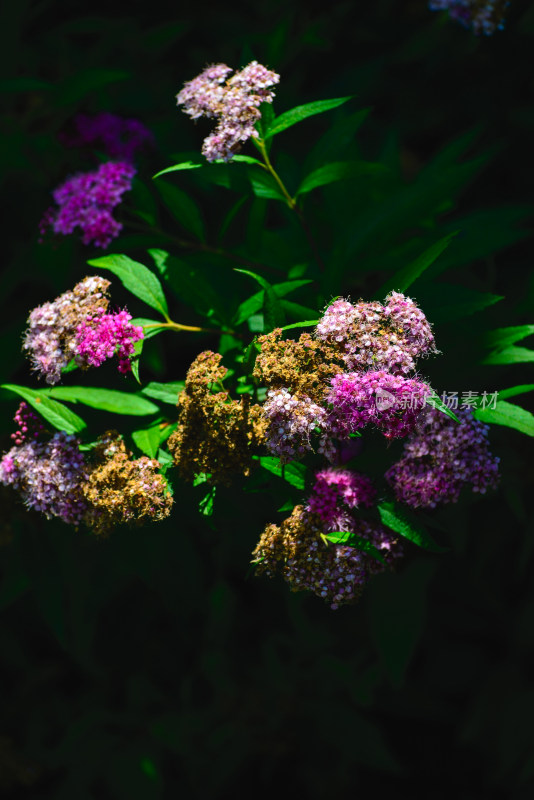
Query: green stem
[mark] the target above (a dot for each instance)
(177, 326)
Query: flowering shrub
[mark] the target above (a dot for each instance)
(275, 406)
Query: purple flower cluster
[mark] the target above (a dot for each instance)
(387, 336)
(234, 102)
(76, 326)
(104, 335)
(389, 402)
(119, 138)
(29, 424)
(482, 16)
(336, 490)
(48, 476)
(86, 200)
(441, 458)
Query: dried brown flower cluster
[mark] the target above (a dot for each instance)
(120, 489)
(215, 435)
(304, 366)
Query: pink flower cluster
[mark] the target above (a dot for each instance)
(119, 138)
(104, 335)
(441, 458)
(389, 402)
(86, 200)
(29, 424)
(292, 421)
(234, 102)
(339, 488)
(387, 336)
(482, 16)
(48, 476)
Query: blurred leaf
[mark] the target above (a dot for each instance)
(273, 312)
(396, 519)
(189, 284)
(338, 171)
(444, 302)
(179, 168)
(510, 355)
(53, 412)
(503, 337)
(514, 390)
(255, 303)
(76, 87)
(353, 540)
(337, 138)
(297, 114)
(507, 414)
(25, 85)
(297, 311)
(105, 399)
(206, 504)
(403, 279)
(294, 473)
(165, 392)
(264, 185)
(436, 402)
(137, 278)
(142, 202)
(183, 208)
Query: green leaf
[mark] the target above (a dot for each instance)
(151, 327)
(503, 337)
(294, 473)
(253, 304)
(511, 355)
(405, 277)
(309, 323)
(137, 278)
(436, 402)
(399, 522)
(179, 168)
(507, 414)
(53, 412)
(206, 504)
(514, 390)
(264, 185)
(138, 349)
(444, 302)
(243, 160)
(297, 114)
(111, 400)
(296, 310)
(188, 283)
(353, 540)
(148, 440)
(273, 311)
(338, 171)
(165, 392)
(183, 208)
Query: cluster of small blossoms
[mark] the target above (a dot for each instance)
(482, 16)
(48, 475)
(336, 490)
(336, 573)
(119, 138)
(292, 419)
(389, 402)
(104, 335)
(387, 336)
(441, 458)
(86, 200)
(234, 102)
(76, 326)
(29, 424)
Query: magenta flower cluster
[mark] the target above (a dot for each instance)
(119, 138)
(389, 402)
(441, 458)
(48, 476)
(234, 102)
(86, 200)
(389, 336)
(29, 426)
(104, 335)
(482, 16)
(337, 490)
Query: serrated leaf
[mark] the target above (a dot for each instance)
(165, 392)
(179, 167)
(111, 400)
(353, 540)
(507, 414)
(294, 473)
(392, 517)
(504, 337)
(299, 113)
(58, 415)
(148, 440)
(137, 278)
(409, 274)
(436, 402)
(273, 312)
(510, 355)
(183, 208)
(338, 171)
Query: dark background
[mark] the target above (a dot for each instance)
(151, 665)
